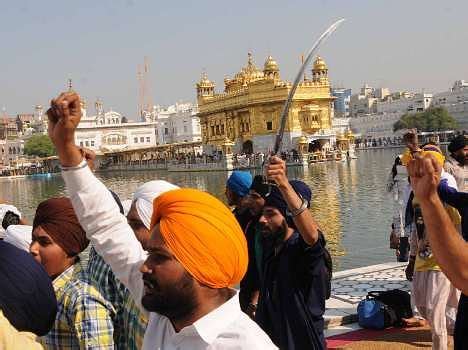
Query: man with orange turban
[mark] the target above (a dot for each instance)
(196, 253)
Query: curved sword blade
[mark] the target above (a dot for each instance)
(310, 54)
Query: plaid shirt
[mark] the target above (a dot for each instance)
(129, 322)
(84, 318)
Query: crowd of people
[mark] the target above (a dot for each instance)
(175, 268)
(172, 268)
(434, 297)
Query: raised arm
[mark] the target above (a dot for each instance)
(305, 223)
(450, 250)
(94, 206)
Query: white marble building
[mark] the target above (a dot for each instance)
(109, 131)
(388, 112)
(455, 101)
(11, 151)
(177, 123)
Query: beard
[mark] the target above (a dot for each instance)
(460, 158)
(176, 301)
(277, 233)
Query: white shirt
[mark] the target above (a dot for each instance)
(226, 327)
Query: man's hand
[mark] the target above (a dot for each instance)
(276, 171)
(424, 173)
(409, 271)
(64, 116)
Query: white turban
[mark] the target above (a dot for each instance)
(145, 195)
(126, 204)
(4, 208)
(19, 235)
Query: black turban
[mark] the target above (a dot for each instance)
(259, 185)
(57, 217)
(457, 143)
(27, 298)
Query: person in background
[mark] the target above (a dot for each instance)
(237, 188)
(84, 317)
(410, 139)
(249, 285)
(399, 187)
(13, 217)
(295, 278)
(27, 300)
(20, 236)
(196, 252)
(133, 320)
(449, 248)
(455, 162)
(433, 294)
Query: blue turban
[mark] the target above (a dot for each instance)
(27, 298)
(239, 182)
(275, 198)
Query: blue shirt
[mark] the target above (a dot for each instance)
(292, 294)
(458, 200)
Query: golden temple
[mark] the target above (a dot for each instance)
(247, 112)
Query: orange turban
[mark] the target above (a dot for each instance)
(203, 235)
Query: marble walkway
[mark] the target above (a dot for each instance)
(351, 286)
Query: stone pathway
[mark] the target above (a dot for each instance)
(351, 286)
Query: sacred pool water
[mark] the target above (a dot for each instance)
(349, 200)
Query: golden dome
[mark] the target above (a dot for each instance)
(249, 73)
(320, 64)
(270, 65)
(204, 81)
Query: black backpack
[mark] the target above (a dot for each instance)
(397, 300)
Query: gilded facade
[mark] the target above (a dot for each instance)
(247, 112)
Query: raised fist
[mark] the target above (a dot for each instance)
(424, 172)
(64, 116)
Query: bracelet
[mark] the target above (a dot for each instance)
(295, 212)
(82, 165)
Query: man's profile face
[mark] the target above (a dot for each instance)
(230, 196)
(169, 288)
(140, 230)
(461, 155)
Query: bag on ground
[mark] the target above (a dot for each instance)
(396, 299)
(374, 314)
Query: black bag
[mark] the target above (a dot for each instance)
(397, 300)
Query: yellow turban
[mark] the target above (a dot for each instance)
(203, 235)
(428, 149)
(435, 152)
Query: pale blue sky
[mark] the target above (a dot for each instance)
(408, 44)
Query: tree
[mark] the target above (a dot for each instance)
(432, 119)
(40, 146)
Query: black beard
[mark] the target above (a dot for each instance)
(176, 302)
(461, 160)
